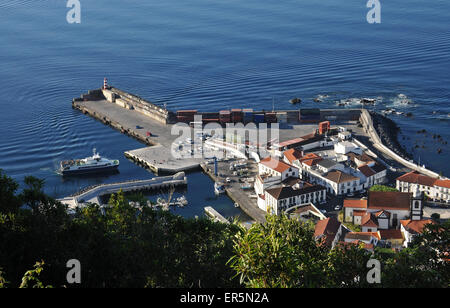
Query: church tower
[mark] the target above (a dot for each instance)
(417, 204)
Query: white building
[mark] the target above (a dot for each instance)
(274, 167)
(411, 228)
(435, 189)
(382, 210)
(345, 147)
(278, 200)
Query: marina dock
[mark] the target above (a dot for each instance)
(94, 194)
(234, 191)
(213, 214)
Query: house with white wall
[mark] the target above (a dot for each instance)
(433, 188)
(345, 147)
(278, 200)
(385, 209)
(274, 167)
(411, 228)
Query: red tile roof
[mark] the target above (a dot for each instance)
(389, 200)
(355, 203)
(359, 213)
(369, 220)
(275, 164)
(312, 162)
(366, 170)
(327, 228)
(293, 154)
(309, 156)
(416, 226)
(340, 177)
(416, 178)
(391, 234)
(442, 183)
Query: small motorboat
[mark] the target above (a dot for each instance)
(219, 188)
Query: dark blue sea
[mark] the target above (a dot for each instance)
(210, 55)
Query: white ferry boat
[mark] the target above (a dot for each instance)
(95, 163)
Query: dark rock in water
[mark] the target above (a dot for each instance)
(388, 132)
(409, 114)
(295, 100)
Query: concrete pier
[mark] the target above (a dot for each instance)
(158, 156)
(213, 214)
(93, 194)
(158, 160)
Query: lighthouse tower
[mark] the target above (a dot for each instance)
(105, 83)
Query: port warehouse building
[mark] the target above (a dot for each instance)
(257, 117)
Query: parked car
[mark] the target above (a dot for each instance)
(337, 207)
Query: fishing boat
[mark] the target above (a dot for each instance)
(219, 188)
(246, 186)
(92, 164)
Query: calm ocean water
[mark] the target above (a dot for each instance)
(209, 55)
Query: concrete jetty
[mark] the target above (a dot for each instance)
(93, 194)
(157, 159)
(216, 216)
(154, 133)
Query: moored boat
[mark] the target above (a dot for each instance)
(92, 164)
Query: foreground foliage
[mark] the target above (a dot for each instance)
(123, 246)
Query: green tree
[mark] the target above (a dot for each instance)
(282, 253)
(382, 188)
(9, 202)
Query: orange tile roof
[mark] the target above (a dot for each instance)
(275, 164)
(416, 178)
(309, 156)
(442, 183)
(293, 154)
(369, 220)
(415, 225)
(359, 213)
(355, 203)
(312, 162)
